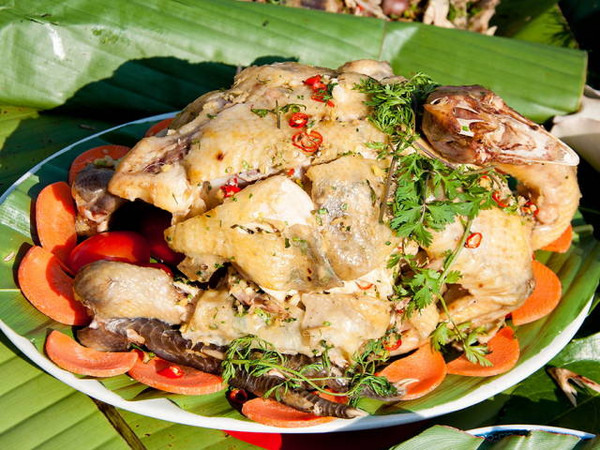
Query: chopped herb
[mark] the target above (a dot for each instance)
(260, 112)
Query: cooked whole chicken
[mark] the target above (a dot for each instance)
(281, 200)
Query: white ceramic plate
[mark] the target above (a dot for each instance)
(540, 341)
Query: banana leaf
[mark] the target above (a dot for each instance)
(110, 62)
(54, 49)
(445, 438)
(42, 412)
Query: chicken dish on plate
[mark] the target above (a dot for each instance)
(325, 227)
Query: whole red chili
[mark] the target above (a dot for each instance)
(298, 120)
(499, 201)
(172, 371)
(473, 240)
(308, 142)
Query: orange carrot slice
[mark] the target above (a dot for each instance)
(94, 154)
(562, 243)
(504, 354)
(426, 366)
(55, 219)
(156, 373)
(158, 127)
(67, 353)
(47, 287)
(275, 414)
(543, 299)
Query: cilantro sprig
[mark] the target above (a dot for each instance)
(428, 195)
(469, 338)
(258, 357)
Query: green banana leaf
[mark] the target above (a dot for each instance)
(579, 271)
(81, 42)
(42, 412)
(445, 438)
(104, 63)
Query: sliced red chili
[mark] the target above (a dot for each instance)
(172, 371)
(298, 120)
(308, 142)
(392, 345)
(290, 172)
(230, 190)
(237, 396)
(473, 240)
(530, 208)
(313, 80)
(499, 201)
(364, 285)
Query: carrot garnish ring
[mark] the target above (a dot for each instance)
(275, 414)
(96, 155)
(47, 287)
(158, 127)
(544, 298)
(425, 366)
(192, 381)
(55, 216)
(68, 354)
(562, 243)
(504, 354)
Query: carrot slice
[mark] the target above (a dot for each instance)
(275, 414)
(158, 127)
(94, 154)
(562, 243)
(426, 366)
(155, 373)
(47, 287)
(55, 219)
(67, 353)
(504, 354)
(543, 299)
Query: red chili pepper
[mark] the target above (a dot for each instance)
(298, 120)
(308, 142)
(290, 173)
(391, 346)
(500, 202)
(172, 371)
(323, 97)
(313, 80)
(230, 190)
(237, 396)
(473, 240)
(144, 356)
(364, 285)
(530, 208)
